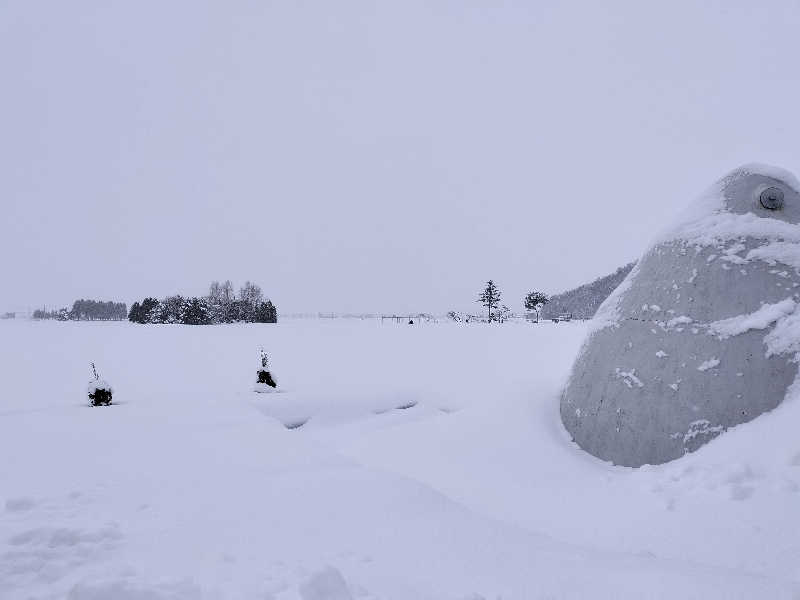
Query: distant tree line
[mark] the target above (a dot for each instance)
(583, 301)
(59, 314)
(86, 310)
(221, 305)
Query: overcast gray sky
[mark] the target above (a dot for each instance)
(370, 156)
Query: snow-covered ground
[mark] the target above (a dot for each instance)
(398, 462)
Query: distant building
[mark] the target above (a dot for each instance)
(9, 315)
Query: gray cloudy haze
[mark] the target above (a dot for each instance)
(360, 156)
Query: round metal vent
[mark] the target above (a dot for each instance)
(771, 198)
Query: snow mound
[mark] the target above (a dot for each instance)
(327, 584)
(263, 388)
(199, 491)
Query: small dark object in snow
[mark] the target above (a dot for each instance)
(411, 321)
(264, 376)
(99, 391)
(101, 397)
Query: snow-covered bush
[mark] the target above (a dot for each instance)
(100, 393)
(99, 390)
(454, 316)
(264, 382)
(502, 314)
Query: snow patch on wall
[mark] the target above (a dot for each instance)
(785, 337)
(682, 320)
(697, 428)
(629, 377)
(708, 364)
(760, 319)
(775, 252)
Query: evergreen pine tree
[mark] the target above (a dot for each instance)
(149, 311)
(134, 315)
(196, 312)
(490, 297)
(265, 313)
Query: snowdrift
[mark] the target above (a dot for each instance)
(439, 486)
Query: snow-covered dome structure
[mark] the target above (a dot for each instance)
(702, 335)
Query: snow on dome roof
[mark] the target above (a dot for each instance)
(730, 209)
(771, 171)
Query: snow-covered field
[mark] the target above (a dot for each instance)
(399, 462)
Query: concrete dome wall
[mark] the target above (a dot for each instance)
(700, 336)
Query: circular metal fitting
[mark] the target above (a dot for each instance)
(771, 198)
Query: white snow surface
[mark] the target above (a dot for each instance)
(451, 478)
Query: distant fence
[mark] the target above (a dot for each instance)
(420, 318)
